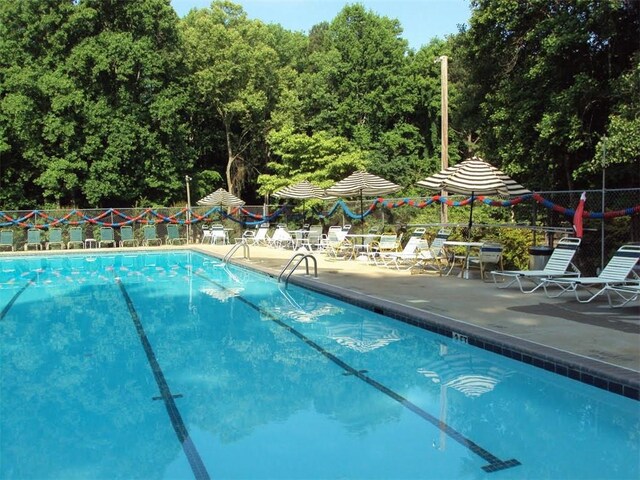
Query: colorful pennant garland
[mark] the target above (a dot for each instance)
(245, 217)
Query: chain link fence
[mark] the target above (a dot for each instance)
(518, 226)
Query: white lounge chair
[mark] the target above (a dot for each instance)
(281, 237)
(626, 293)
(409, 254)
(434, 257)
(336, 247)
(386, 244)
(617, 272)
(559, 265)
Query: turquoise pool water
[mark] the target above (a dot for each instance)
(171, 365)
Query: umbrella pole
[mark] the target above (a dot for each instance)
(361, 215)
(470, 218)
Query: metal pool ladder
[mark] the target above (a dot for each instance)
(235, 248)
(301, 257)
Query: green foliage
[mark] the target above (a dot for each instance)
(543, 77)
(112, 103)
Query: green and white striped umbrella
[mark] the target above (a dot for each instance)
(474, 177)
(222, 198)
(362, 184)
(301, 190)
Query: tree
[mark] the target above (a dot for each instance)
(92, 111)
(542, 74)
(235, 81)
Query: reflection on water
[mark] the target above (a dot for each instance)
(363, 336)
(464, 373)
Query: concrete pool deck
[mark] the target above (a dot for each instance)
(589, 342)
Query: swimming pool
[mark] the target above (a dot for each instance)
(171, 365)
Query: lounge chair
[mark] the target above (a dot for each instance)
(337, 248)
(6, 240)
(150, 236)
(34, 239)
(315, 237)
(558, 266)
(435, 257)
(408, 257)
(385, 245)
(281, 237)
(490, 254)
(626, 293)
(107, 237)
(75, 237)
(617, 272)
(55, 239)
(173, 235)
(127, 236)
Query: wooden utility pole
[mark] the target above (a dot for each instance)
(444, 127)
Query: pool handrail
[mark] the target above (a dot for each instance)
(303, 256)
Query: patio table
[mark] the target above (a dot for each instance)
(469, 246)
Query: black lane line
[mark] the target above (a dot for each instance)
(494, 463)
(8, 306)
(197, 466)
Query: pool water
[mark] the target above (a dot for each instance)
(172, 365)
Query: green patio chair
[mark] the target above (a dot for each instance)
(34, 239)
(150, 236)
(55, 239)
(75, 237)
(106, 237)
(173, 235)
(6, 240)
(127, 237)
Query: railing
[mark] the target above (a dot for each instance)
(301, 257)
(235, 248)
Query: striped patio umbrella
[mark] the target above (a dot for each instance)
(362, 184)
(302, 190)
(222, 198)
(474, 177)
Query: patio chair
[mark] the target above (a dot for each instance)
(315, 237)
(127, 236)
(173, 235)
(409, 254)
(559, 265)
(490, 254)
(107, 237)
(281, 237)
(385, 245)
(150, 236)
(435, 257)
(337, 248)
(6, 240)
(34, 239)
(55, 239)
(75, 237)
(217, 234)
(340, 233)
(626, 293)
(616, 272)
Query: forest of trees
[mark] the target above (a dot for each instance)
(110, 103)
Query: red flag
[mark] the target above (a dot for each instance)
(577, 216)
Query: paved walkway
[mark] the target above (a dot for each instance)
(592, 338)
